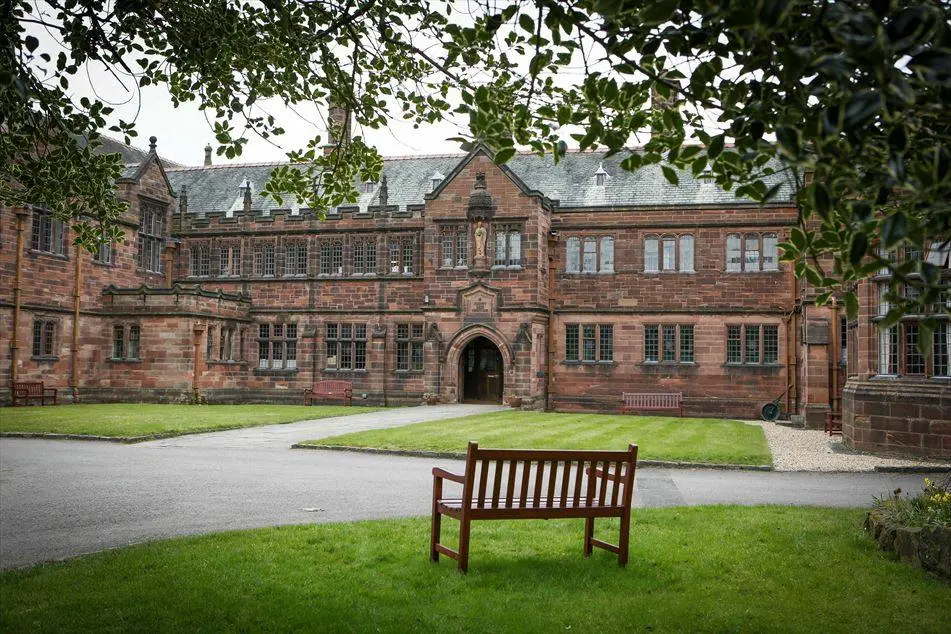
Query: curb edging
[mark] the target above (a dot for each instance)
(452, 455)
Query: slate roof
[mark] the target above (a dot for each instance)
(572, 183)
(132, 157)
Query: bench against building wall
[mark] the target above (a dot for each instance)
(633, 402)
(25, 392)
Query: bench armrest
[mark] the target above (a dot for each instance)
(600, 473)
(442, 473)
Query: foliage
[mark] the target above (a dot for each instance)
(930, 508)
(700, 569)
(142, 419)
(848, 99)
(657, 437)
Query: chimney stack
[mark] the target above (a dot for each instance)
(208, 155)
(338, 126)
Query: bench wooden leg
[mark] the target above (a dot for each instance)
(464, 545)
(622, 543)
(437, 521)
(588, 535)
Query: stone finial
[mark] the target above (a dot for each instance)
(183, 200)
(384, 191)
(208, 154)
(152, 142)
(246, 186)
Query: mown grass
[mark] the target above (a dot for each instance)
(658, 437)
(700, 569)
(139, 419)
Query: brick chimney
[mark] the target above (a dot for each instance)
(208, 154)
(247, 196)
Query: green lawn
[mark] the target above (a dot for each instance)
(657, 437)
(139, 419)
(715, 569)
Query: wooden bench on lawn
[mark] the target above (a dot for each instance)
(329, 390)
(26, 391)
(512, 484)
(651, 402)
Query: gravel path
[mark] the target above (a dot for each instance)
(812, 450)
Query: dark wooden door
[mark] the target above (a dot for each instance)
(481, 371)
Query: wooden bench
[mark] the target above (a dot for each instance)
(26, 391)
(509, 484)
(633, 402)
(329, 390)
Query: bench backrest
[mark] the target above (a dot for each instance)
(658, 400)
(32, 388)
(549, 478)
(333, 387)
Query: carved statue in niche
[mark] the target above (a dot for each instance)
(480, 238)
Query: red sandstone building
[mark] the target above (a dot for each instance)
(557, 286)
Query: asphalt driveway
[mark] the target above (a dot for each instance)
(60, 499)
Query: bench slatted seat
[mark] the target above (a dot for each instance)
(506, 484)
(27, 391)
(649, 402)
(329, 390)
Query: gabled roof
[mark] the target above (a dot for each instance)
(571, 183)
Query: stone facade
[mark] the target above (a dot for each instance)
(557, 286)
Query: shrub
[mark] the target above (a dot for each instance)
(929, 509)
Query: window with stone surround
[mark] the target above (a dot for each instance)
(899, 354)
(589, 254)
(668, 343)
(346, 347)
(295, 258)
(364, 256)
(752, 252)
(44, 338)
(888, 351)
(210, 343)
(105, 253)
(589, 343)
(199, 264)
(277, 346)
(752, 344)
(402, 255)
(151, 237)
(49, 235)
(264, 264)
(331, 258)
(454, 241)
(125, 342)
(409, 347)
(508, 245)
(941, 356)
(669, 253)
(229, 260)
(226, 340)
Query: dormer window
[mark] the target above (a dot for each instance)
(435, 180)
(369, 187)
(600, 177)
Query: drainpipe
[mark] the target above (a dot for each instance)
(74, 351)
(552, 241)
(834, 355)
(21, 215)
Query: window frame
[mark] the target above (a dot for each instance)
(345, 341)
(600, 336)
(45, 339)
(657, 247)
(743, 335)
(409, 338)
(151, 236)
(277, 350)
(49, 236)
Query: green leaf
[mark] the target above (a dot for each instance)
(851, 305)
(670, 175)
(789, 141)
(821, 200)
(658, 11)
(716, 146)
(31, 43)
(526, 22)
(504, 155)
(858, 249)
(894, 228)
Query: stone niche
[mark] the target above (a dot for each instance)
(903, 417)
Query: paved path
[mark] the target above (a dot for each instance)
(60, 499)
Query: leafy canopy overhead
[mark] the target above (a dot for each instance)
(849, 96)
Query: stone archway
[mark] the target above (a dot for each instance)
(481, 372)
(490, 351)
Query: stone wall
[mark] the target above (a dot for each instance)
(898, 416)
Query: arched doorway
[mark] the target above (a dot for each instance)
(481, 372)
